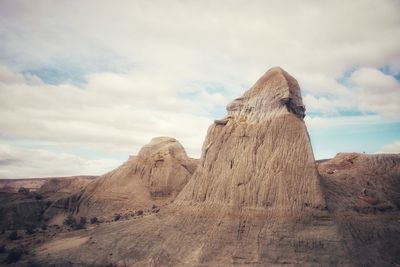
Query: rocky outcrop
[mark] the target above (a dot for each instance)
(363, 196)
(361, 182)
(155, 176)
(39, 200)
(260, 154)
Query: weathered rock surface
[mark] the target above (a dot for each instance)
(155, 176)
(41, 200)
(262, 156)
(363, 195)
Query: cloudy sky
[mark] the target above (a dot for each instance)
(84, 84)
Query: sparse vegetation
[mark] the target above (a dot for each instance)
(94, 220)
(13, 235)
(32, 264)
(117, 217)
(81, 224)
(23, 190)
(48, 203)
(30, 230)
(140, 212)
(71, 221)
(38, 196)
(14, 255)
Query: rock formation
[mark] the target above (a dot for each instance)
(255, 199)
(363, 195)
(260, 156)
(42, 199)
(155, 176)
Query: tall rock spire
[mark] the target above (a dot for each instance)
(260, 154)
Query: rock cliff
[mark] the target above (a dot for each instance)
(260, 154)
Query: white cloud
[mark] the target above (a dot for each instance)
(17, 162)
(391, 148)
(110, 112)
(337, 121)
(376, 92)
(164, 68)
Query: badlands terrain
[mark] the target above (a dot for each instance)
(256, 197)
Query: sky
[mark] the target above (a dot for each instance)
(85, 84)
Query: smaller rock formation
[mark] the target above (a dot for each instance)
(363, 195)
(361, 182)
(155, 176)
(38, 200)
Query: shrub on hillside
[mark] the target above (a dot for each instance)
(29, 230)
(94, 220)
(13, 235)
(38, 196)
(81, 224)
(14, 255)
(69, 221)
(23, 190)
(75, 225)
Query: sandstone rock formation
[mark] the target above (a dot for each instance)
(261, 157)
(43, 198)
(363, 196)
(155, 176)
(65, 186)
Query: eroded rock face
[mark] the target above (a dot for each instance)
(363, 196)
(157, 173)
(46, 198)
(362, 183)
(260, 154)
(272, 95)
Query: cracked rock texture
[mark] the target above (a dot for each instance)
(155, 176)
(363, 196)
(262, 156)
